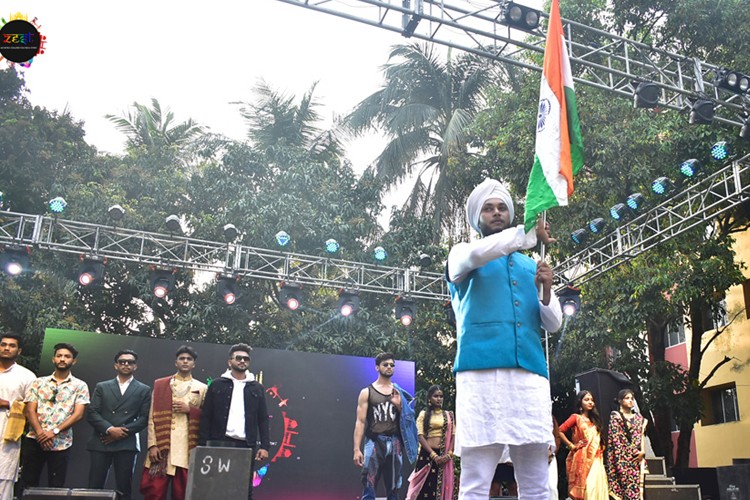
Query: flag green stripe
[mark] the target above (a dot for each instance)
(574, 129)
(539, 196)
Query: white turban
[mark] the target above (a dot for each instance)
(488, 189)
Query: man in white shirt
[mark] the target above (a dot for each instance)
(15, 380)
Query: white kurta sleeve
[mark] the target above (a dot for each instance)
(465, 257)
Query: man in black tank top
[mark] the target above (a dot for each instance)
(378, 412)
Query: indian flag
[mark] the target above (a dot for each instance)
(559, 146)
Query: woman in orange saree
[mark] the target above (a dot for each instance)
(587, 478)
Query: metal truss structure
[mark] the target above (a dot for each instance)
(59, 235)
(694, 206)
(599, 59)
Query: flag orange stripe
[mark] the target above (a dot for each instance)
(553, 73)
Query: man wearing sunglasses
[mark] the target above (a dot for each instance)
(118, 412)
(53, 404)
(385, 419)
(234, 412)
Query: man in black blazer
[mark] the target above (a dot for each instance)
(118, 411)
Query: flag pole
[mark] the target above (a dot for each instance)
(543, 256)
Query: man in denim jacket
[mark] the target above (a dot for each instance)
(386, 419)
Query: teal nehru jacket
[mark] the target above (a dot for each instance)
(497, 317)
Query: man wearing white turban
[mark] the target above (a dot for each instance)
(502, 391)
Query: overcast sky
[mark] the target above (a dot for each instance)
(197, 58)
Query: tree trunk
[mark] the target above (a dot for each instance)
(660, 433)
(700, 315)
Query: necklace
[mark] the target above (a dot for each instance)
(182, 392)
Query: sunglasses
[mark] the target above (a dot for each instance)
(388, 365)
(53, 398)
(246, 359)
(126, 361)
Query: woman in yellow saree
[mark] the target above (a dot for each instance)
(587, 478)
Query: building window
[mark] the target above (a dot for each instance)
(675, 334)
(723, 405)
(722, 318)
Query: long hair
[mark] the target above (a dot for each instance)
(428, 412)
(593, 414)
(620, 396)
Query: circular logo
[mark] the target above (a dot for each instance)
(19, 41)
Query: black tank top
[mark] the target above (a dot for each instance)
(382, 415)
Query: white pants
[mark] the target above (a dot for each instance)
(553, 493)
(6, 489)
(529, 465)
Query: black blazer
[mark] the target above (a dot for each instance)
(109, 408)
(215, 413)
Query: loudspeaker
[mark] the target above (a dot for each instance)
(62, 493)
(734, 482)
(673, 492)
(706, 477)
(604, 385)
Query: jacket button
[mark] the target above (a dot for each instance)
(517, 303)
(511, 264)
(518, 324)
(515, 282)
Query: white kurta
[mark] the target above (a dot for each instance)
(505, 405)
(14, 382)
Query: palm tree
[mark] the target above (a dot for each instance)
(152, 127)
(425, 109)
(274, 121)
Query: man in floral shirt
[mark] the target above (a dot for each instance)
(53, 404)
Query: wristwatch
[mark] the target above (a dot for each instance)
(55, 431)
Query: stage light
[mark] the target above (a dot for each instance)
(722, 150)
(116, 212)
(662, 186)
(733, 81)
(406, 310)
(282, 238)
(579, 236)
(702, 112)
(425, 260)
(450, 314)
(619, 212)
(597, 225)
(230, 232)
(332, 246)
(379, 254)
(636, 202)
(290, 296)
(744, 132)
(226, 288)
(348, 302)
(57, 205)
(522, 17)
(91, 270)
(646, 95)
(691, 168)
(15, 259)
(173, 224)
(161, 281)
(570, 300)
